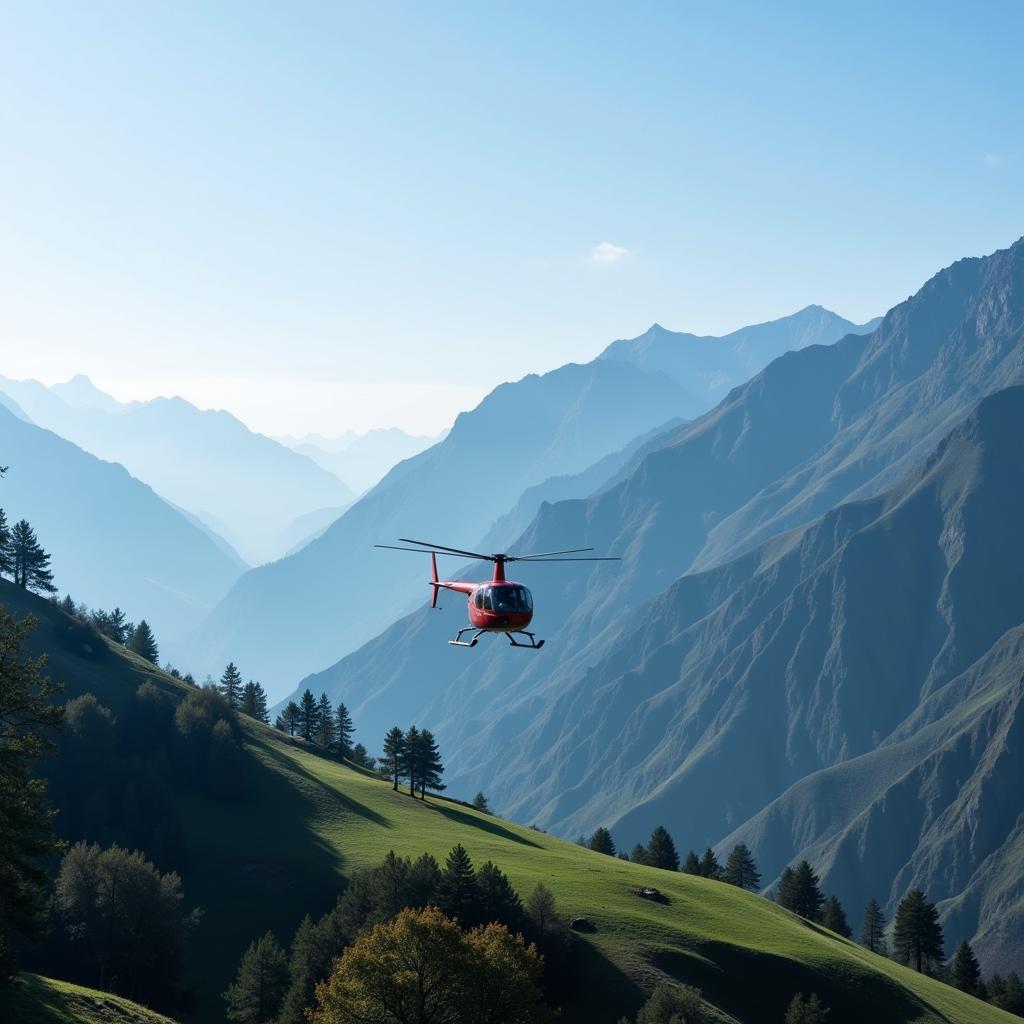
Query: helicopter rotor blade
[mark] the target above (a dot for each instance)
(442, 549)
(425, 551)
(545, 554)
(541, 561)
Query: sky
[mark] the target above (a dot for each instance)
(339, 216)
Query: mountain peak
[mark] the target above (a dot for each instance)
(81, 393)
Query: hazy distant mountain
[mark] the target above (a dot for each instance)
(308, 527)
(709, 367)
(248, 488)
(112, 540)
(362, 460)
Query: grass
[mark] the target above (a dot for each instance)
(38, 1000)
(306, 823)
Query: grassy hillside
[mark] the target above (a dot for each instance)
(306, 823)
(38, 1000)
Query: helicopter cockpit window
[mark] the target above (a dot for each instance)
(511, 599)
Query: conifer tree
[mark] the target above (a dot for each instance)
(498, 899)
(872, 934)
(291, 717)
(917, 933)
(480, 802)
(6, 554)
(458, 893)
(110, 624)
(691, 866)
(601, 841)
(429, 766)
(740, 869)
(31, 562)
(1012, 994)
(394, 750)
(965, 971)
(542, 909)
(638, 855)
(143, 643)
(27, 717)
(833, 917)
(800, 892)
(325, 722)
(661, 851)
(410, 758)
(309, 716)
(256, 995)
(709, 866)
(254, 702)
(807, 1010)
(230, 685)
(361, 756)
(343, 731)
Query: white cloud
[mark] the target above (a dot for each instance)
(606, 252)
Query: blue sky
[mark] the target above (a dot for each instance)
(324, 216)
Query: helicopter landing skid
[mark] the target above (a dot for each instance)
(533, 645)
(459, 642)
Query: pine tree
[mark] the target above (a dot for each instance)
(325, 722)
(361, 757)
(429, 766)
(480, 802)
(691, 866)
(1013, 994)
(740, 869)
(806, 1010)
(800, 892)
(601, 841)
(458, 893)
(498, 899)
(917, 933)
(661, 851)
(638, 855)
(394, 750)
(27, 716)
(833, 917)
(709, 866)
(409, 768)
(872, 934)
(256, 995)
(6, 554)
(254, 702)
(31, 562)
(541, 908)
(965, 970)
(309, 716)
(143, 643)
(291, 717)
(230, 685)
(343, 731)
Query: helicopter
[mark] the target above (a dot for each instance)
(497, 605)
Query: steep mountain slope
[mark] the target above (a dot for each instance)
(38, 1000)
(709, 367)
(330, 819)
(245, 486)
(338, 591)
(112, 540)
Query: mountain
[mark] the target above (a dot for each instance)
(112, 540)
(309, 526)
(337, 591)
(332, 819)
(362, 460)
(245, 486)
(709, 367)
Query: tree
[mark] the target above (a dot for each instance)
(429, 767)
(421, 968)
(691, 866)
(394, 753)
(361, 757)
(638, 855)
(230, 685)
(709, 866)
(499, 901)
(110, 624)
(314, 949)
(325, 722)
(480, 802)
(458, 893)
(806, 1011)
(343, 730)
(256, 995)
(1007, 993)
(143, 643)
(31, 562)
(291, 717)
(6, 554)
(800, 892)
(127, 917)
(872, 934)
(673, 1004)
(309, 716)
(833, 917)
(601, 841)
(965, 971)
(254, 702)
(542, 909)
(661, 851)
(917, 933)
(410, 758)
(27, 718)
(740, 869)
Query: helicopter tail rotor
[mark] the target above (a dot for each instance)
(434, 579)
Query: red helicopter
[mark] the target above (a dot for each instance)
(498, 605)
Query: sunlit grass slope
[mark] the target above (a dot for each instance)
(38, 1000)
(306, 823)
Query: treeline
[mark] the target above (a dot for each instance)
(116, 626)
(353, 948)
(917, 938)
(330, 728)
